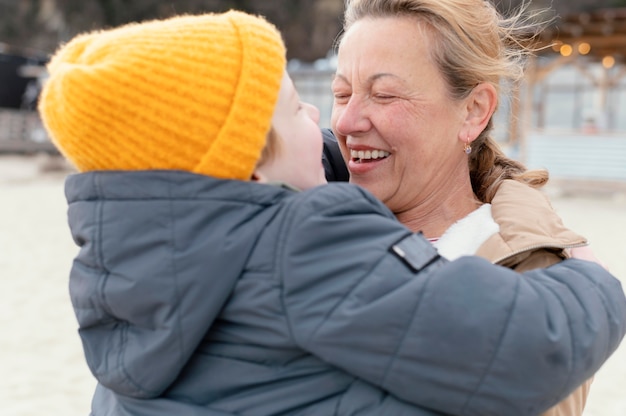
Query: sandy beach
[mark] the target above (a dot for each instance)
(41, 362)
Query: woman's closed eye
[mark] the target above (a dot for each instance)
(341, 97)
(384, 96)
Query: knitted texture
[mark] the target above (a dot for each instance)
(194, 93)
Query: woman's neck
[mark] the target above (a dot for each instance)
(435, 215)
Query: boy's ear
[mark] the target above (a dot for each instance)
(481, 105)
(258, 176)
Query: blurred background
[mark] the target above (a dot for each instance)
(568, 115)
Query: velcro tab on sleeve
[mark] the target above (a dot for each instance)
(415, 251)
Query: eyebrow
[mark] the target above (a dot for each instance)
(371, 78)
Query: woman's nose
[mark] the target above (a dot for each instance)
(349, 118)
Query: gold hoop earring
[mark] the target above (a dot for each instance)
(467, 148)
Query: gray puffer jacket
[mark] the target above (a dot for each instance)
(198, 296)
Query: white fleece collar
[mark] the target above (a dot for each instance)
(465, 236)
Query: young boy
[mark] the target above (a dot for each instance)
(208, 284)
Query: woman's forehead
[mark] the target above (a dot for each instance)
(375, 47)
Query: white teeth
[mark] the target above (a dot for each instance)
(368, 154)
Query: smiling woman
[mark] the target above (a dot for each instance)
(415, 92)
(395, 102)
(411, 83)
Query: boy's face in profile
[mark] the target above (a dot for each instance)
(298, 161)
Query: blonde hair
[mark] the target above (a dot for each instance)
(473, 44)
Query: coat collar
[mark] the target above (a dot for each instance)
(527, 222)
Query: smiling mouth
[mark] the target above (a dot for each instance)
(365, 156)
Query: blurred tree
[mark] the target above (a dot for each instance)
(310, 27)
(561, 7)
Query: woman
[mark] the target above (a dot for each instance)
(415, 90)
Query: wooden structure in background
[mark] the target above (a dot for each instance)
(604, 30)
(594, 45)
(598, 36)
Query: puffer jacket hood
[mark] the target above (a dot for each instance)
(144, 243)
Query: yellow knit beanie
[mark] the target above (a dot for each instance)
(195, 93)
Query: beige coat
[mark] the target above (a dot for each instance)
(532, 236)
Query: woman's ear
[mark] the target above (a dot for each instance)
(481, 104)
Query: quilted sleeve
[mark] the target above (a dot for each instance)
(462, 338)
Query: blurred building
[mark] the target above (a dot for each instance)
(570, 114)
(21, 77)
